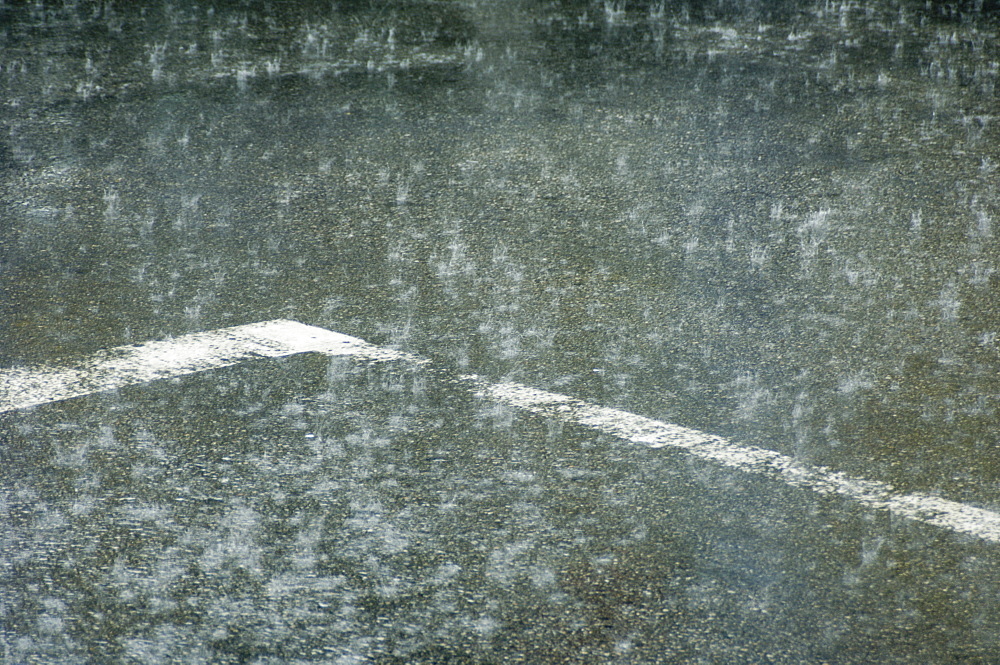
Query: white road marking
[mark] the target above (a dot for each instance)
(926, 508)
(22, 387)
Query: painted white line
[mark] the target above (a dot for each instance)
(925, 508)
(21, 387)
(130, 365)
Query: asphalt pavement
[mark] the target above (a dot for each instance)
(482, 332)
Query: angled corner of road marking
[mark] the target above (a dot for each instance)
(286, 337)
(22, 387)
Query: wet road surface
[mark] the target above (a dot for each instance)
(772, 224)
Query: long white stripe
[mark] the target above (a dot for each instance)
(925, 508)
(129, 365)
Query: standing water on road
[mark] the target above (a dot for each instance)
(769, 221)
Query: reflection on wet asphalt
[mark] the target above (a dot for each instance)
(767, 221)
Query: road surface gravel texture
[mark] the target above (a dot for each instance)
(767, 223)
